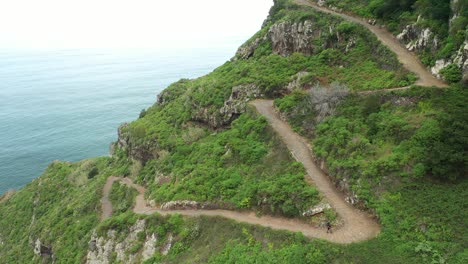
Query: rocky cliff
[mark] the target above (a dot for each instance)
(136, 247)
(307, 37)
(436, 49)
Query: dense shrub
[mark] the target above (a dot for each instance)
(452, 73)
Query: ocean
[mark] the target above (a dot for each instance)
(67, 104)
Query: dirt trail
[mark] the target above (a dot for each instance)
(408, 59)
(358, 226)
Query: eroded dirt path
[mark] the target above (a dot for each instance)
(358, 226)
(408, 59)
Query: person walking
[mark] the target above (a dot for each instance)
(329, 226)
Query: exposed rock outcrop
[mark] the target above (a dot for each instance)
(101, 249)
(233, 107)
(325, 100)
(188, 205)
(318, 209)
(418, 38)
(111, 248)
(297, 82)
(141, 151)
(460, 59)
(287, 37)
(149, 247)
(237, 102)
(42, 250)
(247, 50)
(168, 245)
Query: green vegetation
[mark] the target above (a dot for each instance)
(242, 167)
(60, 209)
(416, 133)
(403, 153)
(410, 133)
(452, 73)
(245, 166)
(122, 197)
(436, 14)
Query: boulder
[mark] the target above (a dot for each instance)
(318, 209)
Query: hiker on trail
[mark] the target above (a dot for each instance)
(329, 226)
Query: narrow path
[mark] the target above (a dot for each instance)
(358, 226)
(408, 59)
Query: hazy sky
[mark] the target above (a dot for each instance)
(126, 23)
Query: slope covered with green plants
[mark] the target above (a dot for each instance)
(400, 155)
(447, 21)
(174, 138)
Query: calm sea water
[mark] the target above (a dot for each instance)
(67, 104)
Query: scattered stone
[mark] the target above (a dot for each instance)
(318, 209)
(188, 205)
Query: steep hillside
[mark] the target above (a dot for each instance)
(398, 154)
(437, 30)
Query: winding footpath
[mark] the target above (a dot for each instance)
(357, 225)
(408, 59)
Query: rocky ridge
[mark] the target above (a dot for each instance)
(130, 249)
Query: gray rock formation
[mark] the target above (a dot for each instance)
(168, 245)
(237, 102)
(418, 38)
(318, 209)
(188, 205)
(41, 250)
(247, 50)
(150, 246)
(101, 249)
(296, 82)
(460, 59)
(141, 151)
(287, 37)
(233, 107)
(104, 250)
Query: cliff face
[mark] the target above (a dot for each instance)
(233, 107)
(135, 247)
(435, 43)
(419, 38)
(135, 148)
(305, 37)
(330, 39)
